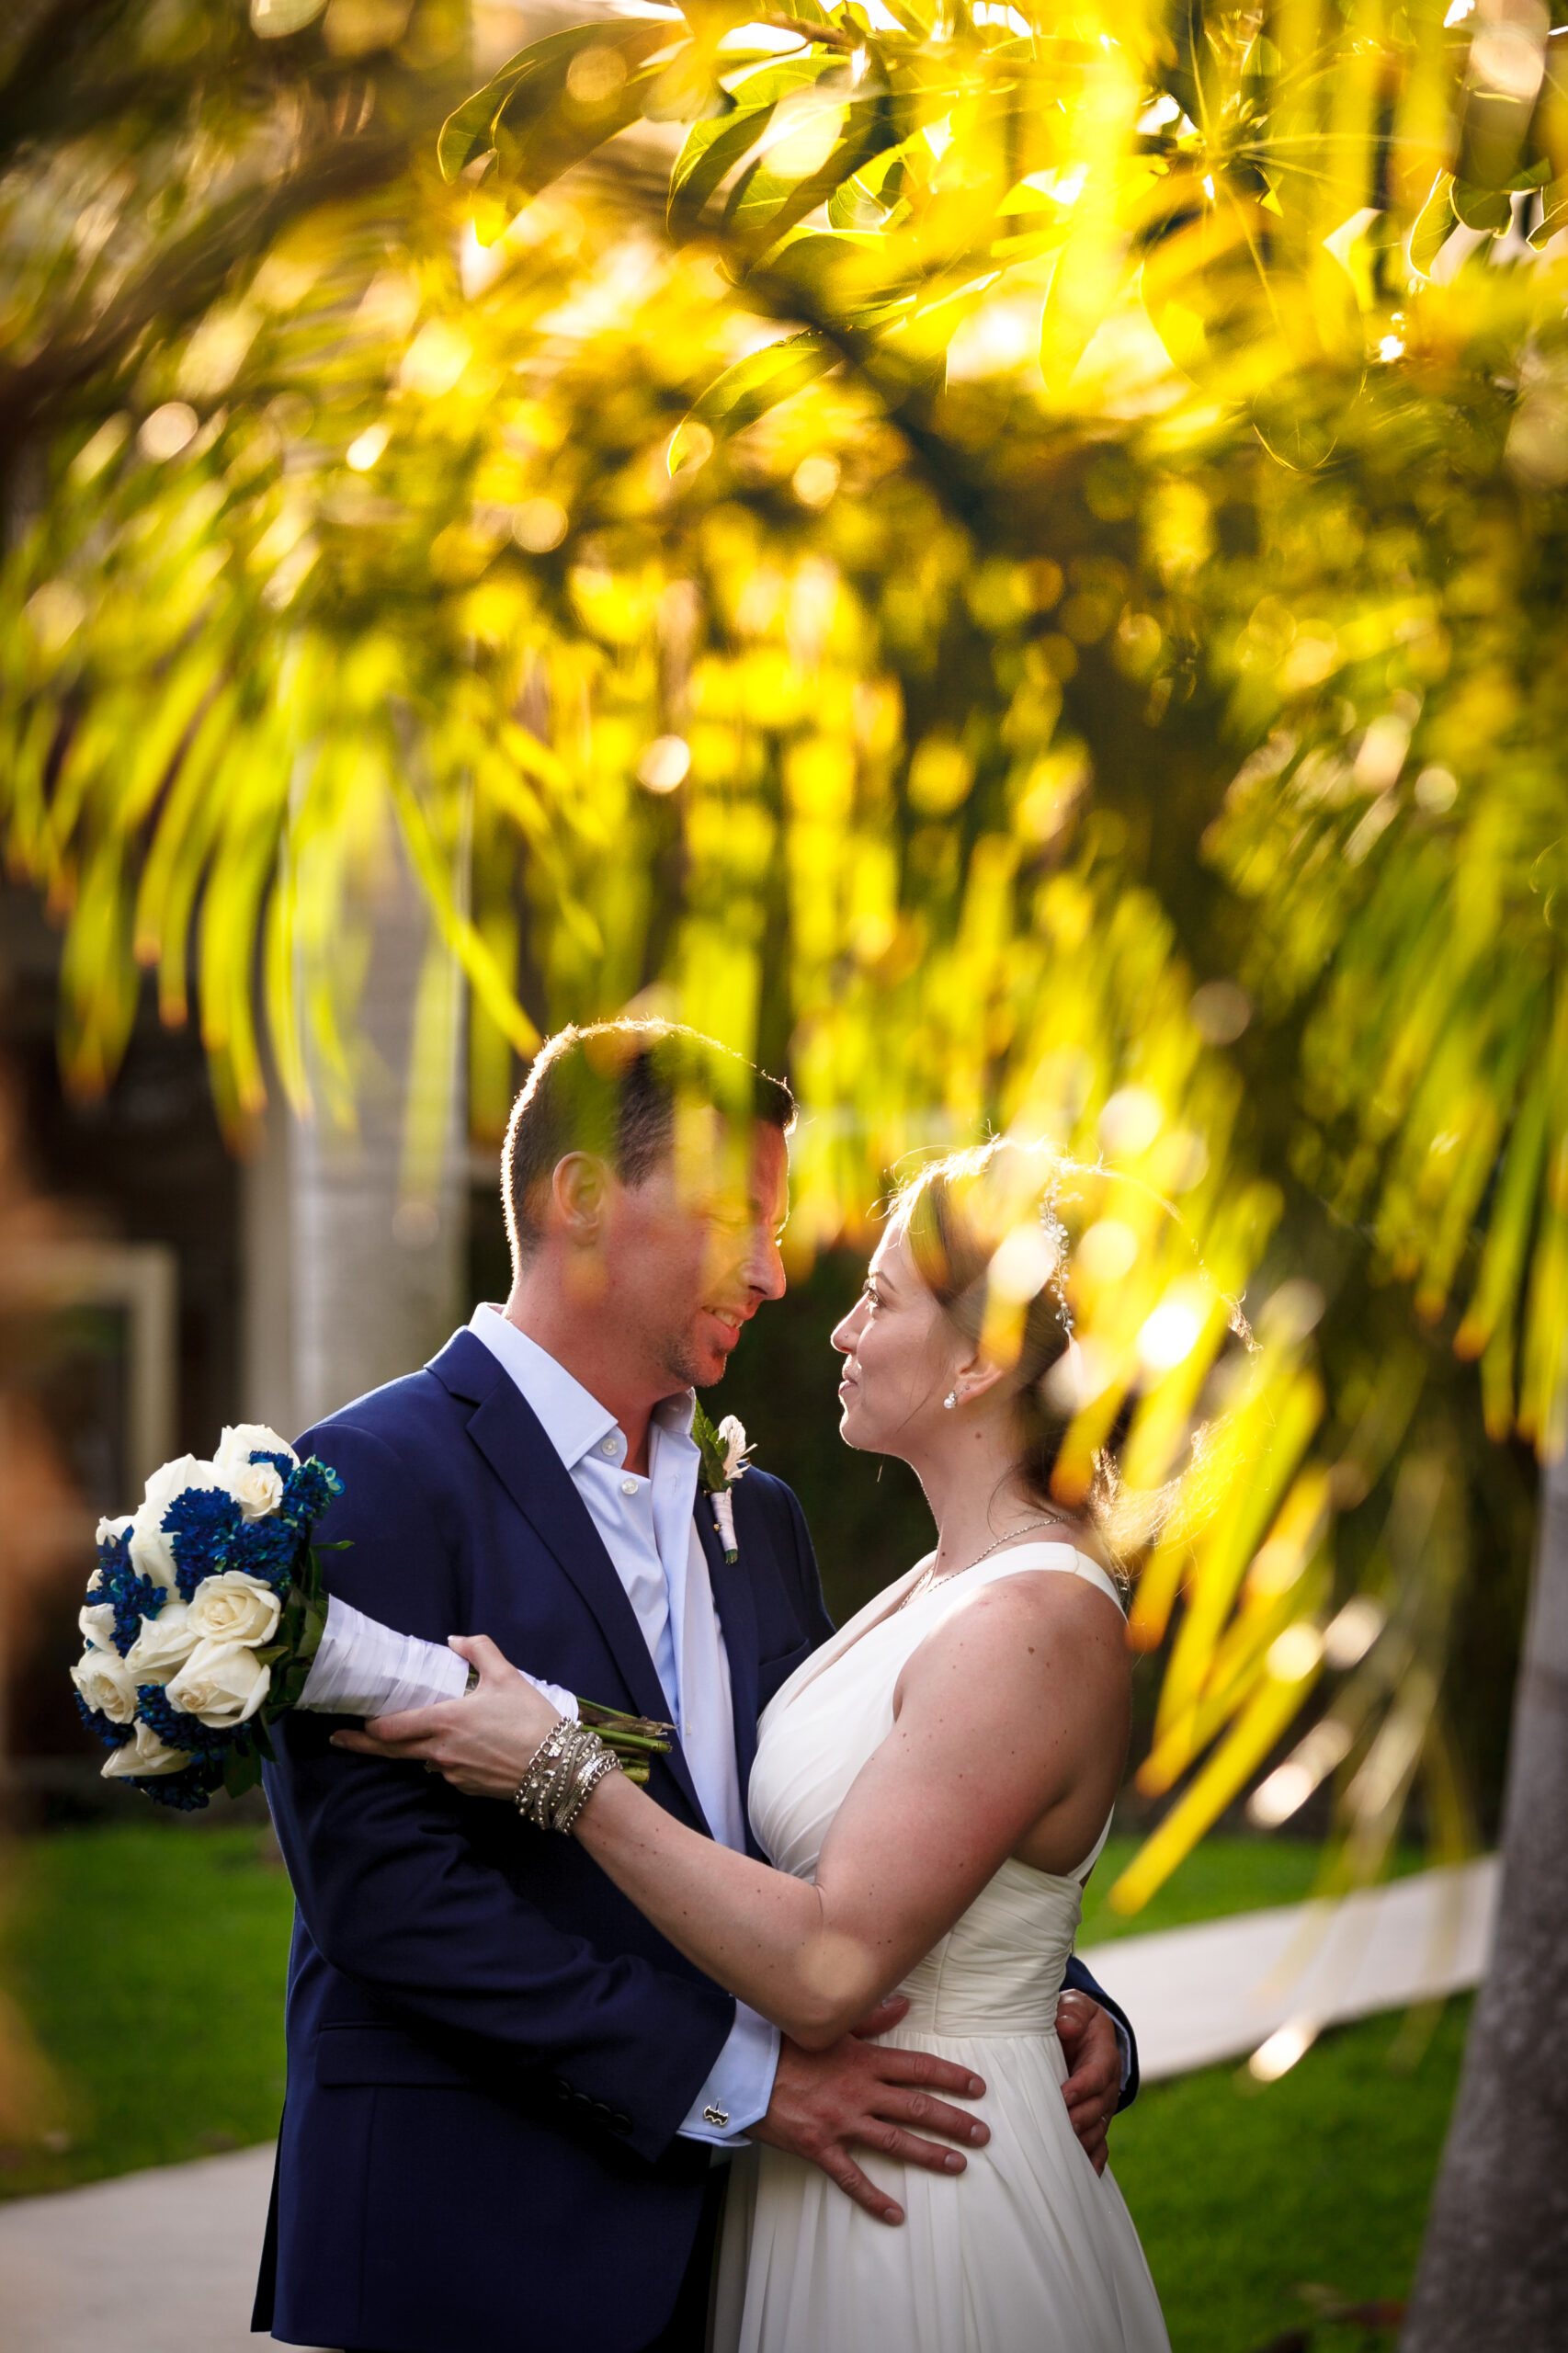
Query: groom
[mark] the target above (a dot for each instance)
(510, 2100)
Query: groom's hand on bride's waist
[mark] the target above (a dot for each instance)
(860, 2094)
(1087, 2036)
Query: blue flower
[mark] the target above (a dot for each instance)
(308, 1491)
(132, 1596)
(177, 1730)
(201, 1526)
(282, 1463)
(187, 1792)
(267, 1548)
(114, 1548)
(104, 1727)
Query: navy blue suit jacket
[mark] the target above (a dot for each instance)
(491, 2051)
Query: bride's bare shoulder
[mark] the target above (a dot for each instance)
(1031, 1621)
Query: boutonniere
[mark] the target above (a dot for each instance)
(724, 1453)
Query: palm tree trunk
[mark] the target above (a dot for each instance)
(1493, 2271)
(355, 1257)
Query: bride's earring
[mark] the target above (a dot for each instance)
(951, 1400)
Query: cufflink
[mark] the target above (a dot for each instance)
(716, 2116)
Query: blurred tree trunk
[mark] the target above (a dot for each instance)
(1494, 2272)
(354, 1235)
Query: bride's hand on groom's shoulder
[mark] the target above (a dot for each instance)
(483, 1744)
(859, 2094)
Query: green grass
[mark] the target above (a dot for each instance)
(151, 1964)
(1242, 2194)
(1224, 1875)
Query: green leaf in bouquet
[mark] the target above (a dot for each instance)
(258, 1732)
(313, 1627)
(241, 1769)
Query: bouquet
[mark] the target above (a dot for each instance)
(207, 1620)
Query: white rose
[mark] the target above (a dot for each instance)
(152, 1554)
(97, 1621)
(146, 1757)
(233, 1608)
(163, 1644)
(222, 1684)
(244, 1438)
(733, 1438)
(171, 1479)
(257, 1489)
(107, 1684)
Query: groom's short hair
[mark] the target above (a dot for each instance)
(612, 1089)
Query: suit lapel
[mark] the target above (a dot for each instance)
(508, 1433)
(737, 1625)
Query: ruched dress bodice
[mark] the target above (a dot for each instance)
(1028, 2251)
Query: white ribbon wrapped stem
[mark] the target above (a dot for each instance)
(363, 1668)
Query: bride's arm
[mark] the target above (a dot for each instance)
(1003, 1715)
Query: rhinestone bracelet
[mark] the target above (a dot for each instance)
(562, 1773)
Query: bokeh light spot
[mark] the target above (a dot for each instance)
(165, 433)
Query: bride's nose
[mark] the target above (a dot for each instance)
(847, 1331)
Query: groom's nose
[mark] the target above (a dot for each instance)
(764, 1268)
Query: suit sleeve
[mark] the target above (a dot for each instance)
(1079, 1979)
(395, 1894)
(813, 1608)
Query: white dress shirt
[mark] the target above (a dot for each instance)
(648, 1530)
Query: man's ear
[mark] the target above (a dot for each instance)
(579, 1187)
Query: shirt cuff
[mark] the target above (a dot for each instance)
(739, 2085)
(1124, 2044)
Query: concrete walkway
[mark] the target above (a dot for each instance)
(158, 2262)
(1222, 1988)
(167, 2259)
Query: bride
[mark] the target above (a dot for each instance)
(933, 1786)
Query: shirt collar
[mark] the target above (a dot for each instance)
(570, 1416)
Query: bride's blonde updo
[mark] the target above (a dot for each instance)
(962, 1219)
(988, 1238)
(1085, 1284)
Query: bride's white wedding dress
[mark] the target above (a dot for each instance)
(1027, 2250)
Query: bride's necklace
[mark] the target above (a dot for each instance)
(925, 1583)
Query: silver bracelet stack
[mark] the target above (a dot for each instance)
(563, 1772)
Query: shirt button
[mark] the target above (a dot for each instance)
(607, 1445)
(628, 1486)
